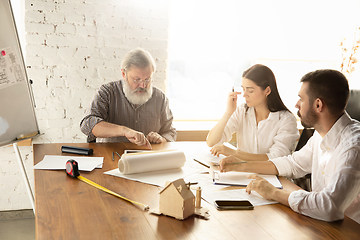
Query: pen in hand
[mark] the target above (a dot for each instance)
(233, 91)
(216, 164)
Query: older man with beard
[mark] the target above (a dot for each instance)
(332, 154)
(130, 109)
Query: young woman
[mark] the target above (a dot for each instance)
(264, 127)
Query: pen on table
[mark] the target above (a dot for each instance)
(118, 154)
(201, 163)
(113, 156)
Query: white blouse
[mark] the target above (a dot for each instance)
(334, 164)
(274, 136)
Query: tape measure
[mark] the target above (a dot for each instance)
(72, 170)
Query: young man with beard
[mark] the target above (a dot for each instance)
(130, 109)
(332, 154)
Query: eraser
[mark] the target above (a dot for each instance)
(77, 150)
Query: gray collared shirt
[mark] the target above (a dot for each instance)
(111, 105)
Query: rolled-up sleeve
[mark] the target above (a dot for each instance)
(97, 112)
(167, 129)
(285, 138)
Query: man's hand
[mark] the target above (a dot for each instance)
(231, 163)
(261, 186)
(137, 137)
(221, 149)
(154, 137)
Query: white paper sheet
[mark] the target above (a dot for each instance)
(55, 162)
(205, 157)
(240, 178)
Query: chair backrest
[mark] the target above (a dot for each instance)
(304, 137)
(353, 106)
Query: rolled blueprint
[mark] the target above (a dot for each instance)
(151, 161)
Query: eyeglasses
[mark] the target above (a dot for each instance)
(139, 81)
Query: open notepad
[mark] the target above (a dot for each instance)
(240, 178)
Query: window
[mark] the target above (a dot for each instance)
(212, 42)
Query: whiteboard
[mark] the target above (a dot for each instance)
(17, 114)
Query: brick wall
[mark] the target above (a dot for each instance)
(72, 47)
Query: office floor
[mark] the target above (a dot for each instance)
(16, 225)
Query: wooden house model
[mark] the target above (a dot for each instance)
(177, 200)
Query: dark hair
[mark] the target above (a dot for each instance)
(263, 77)
(330, 86)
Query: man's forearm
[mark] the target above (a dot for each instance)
(250, 156)
(261, 167)
(105, 130)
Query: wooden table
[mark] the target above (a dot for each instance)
(67, 208)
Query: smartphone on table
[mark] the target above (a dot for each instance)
(233, 205)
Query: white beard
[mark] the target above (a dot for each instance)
(136, 98)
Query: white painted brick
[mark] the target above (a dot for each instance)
(86, 30)
(56, 40)
(115, 42)
(38, 75)
(108, 72)
(65, 28)
(76, 19)
(161, 66)
(88, 41)
(75, 112)
(159, 23)
(94, 62)
(51, 135)
(112, 63)
(34, 60)
(75, 83)
(65, 71)
(107, 52)
(46, 114)
(160, 85)
(90, 9)
(111, 31)
(138, 11)
(87, 52)
(68, 7)
(56, 82)
(35, 16)
(120, 53)
(59, 123)
(122, 9)
(39, 28)
(53, 60)
(54, 17)
(134, 22)
(37, 5)
(138, 32)
(159, 33)
(35, 38)
(151, 43)
(41, 94)
(86, 73)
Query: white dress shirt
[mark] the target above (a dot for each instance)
(274, 136)
(334, 162)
